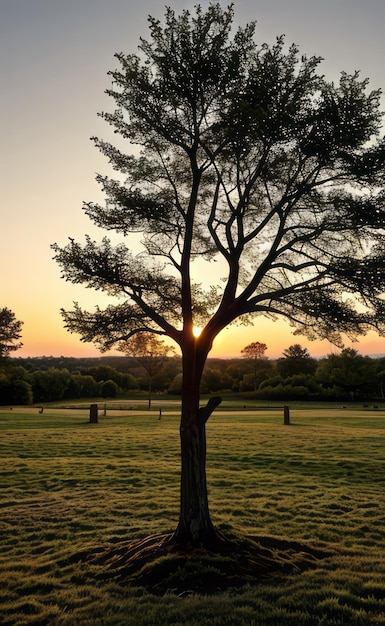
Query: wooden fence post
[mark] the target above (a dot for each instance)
(286, 416)
(93, 413)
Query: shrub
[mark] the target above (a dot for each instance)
(176, 385)
(21, 392)
(109, 389)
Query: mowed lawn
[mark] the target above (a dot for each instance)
(67, 485)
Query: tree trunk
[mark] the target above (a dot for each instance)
(195, 526)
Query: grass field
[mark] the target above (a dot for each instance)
(67, 485)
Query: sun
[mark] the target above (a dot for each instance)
(197, 331)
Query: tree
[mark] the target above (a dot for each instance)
(109, 389)
(254, 352)
(349, 372)
(297, 360)
(50, 385)
(214, 380)
(150, 352)
(15, 385)
(296, 351)
(245, 155)
(10, 332)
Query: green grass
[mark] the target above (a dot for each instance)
(67, 485)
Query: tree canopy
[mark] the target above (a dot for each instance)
(255, 350)
(10, 332)
(297, 360)
(296, 351)
(250, 156)
(245, 162)
(150, 352)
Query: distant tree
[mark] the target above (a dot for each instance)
(251, 382)
(22, 392)
(238, 369)
(296, 351)
(254, 350)
(109, 389)
(175, 386)
(255, 353)
(150, 352)
(15, 387)
(379, 377)
(170, 369)
(214, 380)
(50, 385)
(351, 373)
(10, 332)
(248, 156)
(82, 386)
(297, 360)
(102, 373)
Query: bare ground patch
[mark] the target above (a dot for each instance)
(160, 566)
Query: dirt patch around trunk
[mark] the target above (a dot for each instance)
(160, 566)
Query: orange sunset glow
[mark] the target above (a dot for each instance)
(55, 59)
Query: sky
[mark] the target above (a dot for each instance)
(54, 59)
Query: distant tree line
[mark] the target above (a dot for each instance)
(347, 376)
(25, 385)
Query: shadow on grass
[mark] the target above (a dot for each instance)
(160, 566)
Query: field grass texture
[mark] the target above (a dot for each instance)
(68, 485)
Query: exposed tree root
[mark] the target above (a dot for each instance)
(160, 566)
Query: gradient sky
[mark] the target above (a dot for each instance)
(54, 59)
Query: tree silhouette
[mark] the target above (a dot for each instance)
(255, 352)
(10, 332)
(350, 372)
(150, 352)
(296, 351)
(245, 155)
(297, 360)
